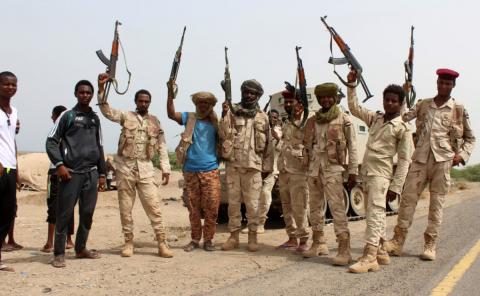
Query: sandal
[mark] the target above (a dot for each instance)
(87, 254)
(69, 246)
(4, 267)
(209, 246)
(291, 244)
(7, 248)
(191, 246)
(59, 261)
(16, 247)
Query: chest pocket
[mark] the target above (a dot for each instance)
(153, 132)
(239, 136)
(336, 144)
(260, 136)
(126, 142)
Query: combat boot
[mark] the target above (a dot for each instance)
(343, 257)
(163, 250)
(395, 245)
(232, 242)
(252, 241)
(127, 250)
(429, 252)
(382, 255)
(318, 247)
(368, 262)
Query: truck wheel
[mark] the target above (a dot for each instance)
(346, 200)
(357, 201)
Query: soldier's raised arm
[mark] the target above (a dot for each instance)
(358, 111)
(404, 156)
(175, 116)
(110, 113)
(412, 113)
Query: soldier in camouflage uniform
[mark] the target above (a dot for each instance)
(293, 175)
(445, 139)
(388, 136)
(198, 152)
(243, 132)
(269, 170)
(141, 138)
(329, 142)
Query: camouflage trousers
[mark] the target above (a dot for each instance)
(266, 197)
(327, 186)
(203, 192)
(375, 189)
(243, 185)
(294, 197)
(128, 184)
(437, 174)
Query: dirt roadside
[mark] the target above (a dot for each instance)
(145, 273)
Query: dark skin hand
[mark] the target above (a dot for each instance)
(391, 196)
(63, 173)
(165, 178)
(101, 183)
(225, 108)
(352, 181)
(457, 160)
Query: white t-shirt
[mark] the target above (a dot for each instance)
(8, 157)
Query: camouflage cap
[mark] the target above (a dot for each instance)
(252, 85)
(328, 89)
(204, 96)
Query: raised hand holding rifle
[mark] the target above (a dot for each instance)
(411, 94)
(226, 84)
(171, 84)
(348, 58)
(302, 83)
(112, 64)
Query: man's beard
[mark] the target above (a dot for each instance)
(249, 104)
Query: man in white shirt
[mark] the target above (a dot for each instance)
(8, 159)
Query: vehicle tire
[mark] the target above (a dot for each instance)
(357, 201)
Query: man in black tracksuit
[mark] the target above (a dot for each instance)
(74, 146)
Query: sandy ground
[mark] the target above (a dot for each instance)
(145, 273)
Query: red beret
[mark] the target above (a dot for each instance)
(447, 74)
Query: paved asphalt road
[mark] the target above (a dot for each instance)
(407, 275)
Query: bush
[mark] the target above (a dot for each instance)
(173, 161)
(470, 173)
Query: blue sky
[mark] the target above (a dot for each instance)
(51, 45)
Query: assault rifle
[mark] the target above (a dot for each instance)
(171, 84)
(302, 83)
(348, 58)
(227, 82)
(410, 92)
(112, 64)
